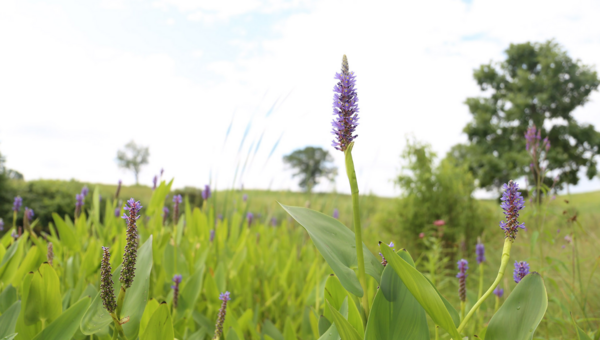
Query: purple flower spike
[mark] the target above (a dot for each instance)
(222, 313)
(521, 270)
(463, 265)
(336, 213)
(165, 215)
(154, 182)
(499, 292)
(17, 204)
(512, 203)
(79, 200)
(118, 189)
(250, 217)
(345, 108)
(117, 211)
(29, 214)
(177, 281)
(131, 245)
(245, 198)
(206, 192)
(273, 222)
(85, 191)
(176, 200)
(212, 235)
(480, 251)
(531, 138)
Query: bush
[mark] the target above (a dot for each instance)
(430, 193)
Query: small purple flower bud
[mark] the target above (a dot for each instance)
(480, 251)
(85, 191)
(15, 236)
(131, 246)
(17, 204)
(463, 265)
(546, 144)
(50, 254)
(250, 217)
(176, 201)
(107, 292)
(29, 214)
(512, 203)
(521, 269)
(222, 313)
(220, 217)
(79, 200)
(212, 235)
(568, 239)
(274, 222)
(336, 213)
(530, 137)
(553, 197)
(384, 261)
(118, 189)
(245, 198)
(165, 214)
(499, 292)
(117, 211)
(206, 192)
(161, 172)
(177, 281)
(154, 182)
(345, 108)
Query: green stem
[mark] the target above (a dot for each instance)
(497, 304)
(480, 280)
(120, 300)
(462, 310)
(504, 261)
(118, 327)
(357, 229)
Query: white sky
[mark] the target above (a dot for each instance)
(79, 80)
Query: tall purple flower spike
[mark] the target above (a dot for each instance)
(176, 281)
(250, 217)
(206, 192)
(85, 191)
(336, 213)
(521, 270)
(29, 213)
(463, 265)
(499, 292)
(176, 201)
(480, 252)
(512, 203)
(131, 245)
(17, 203)
(222, 313)
(345, 108)
(154, 182)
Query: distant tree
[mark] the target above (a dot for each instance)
(311, 164)
(133, 157)
(538, 84)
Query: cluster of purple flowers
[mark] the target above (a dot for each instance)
(521, 270)
(154, 182)
(512, 203)
(533, 136)
(384, 261)
(480, 251)
(222, 313)
(463, 265)
(250, 218)
(165, 215)
(206, 192)
(336, 213)
(17, 204)
(176, 202)
(499, 292)
(345, 108)
(28, 214)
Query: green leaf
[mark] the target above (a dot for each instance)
(336, 295)
(521, 313)
(66, 234)
(422, 290)
(190, 291)
(336, 244)
(24, 331)
(10, 337)
(44, 300)
(347, 332)
(395, 313)
(96, 317)
(324, 324)
(151, 307)
(289, 333)
(7, 298)
(11, 259)
(581, 335)
(8, 320)
(160, 326)
(65, 326)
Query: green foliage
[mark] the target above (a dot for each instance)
(537, 84)
(311, 164)
(430, 193)
(133, 157)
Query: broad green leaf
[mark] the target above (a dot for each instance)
(190, 291)
(324, 324)
(395, 313)
(11, 259)
(32, 261)
(336, 243)
(160, 326)
(65, 326)
(347, 332)
(522, 312)
(336, 295)
(581, 335)
(96, 317)
(44, 301)
(66, 234)
(422, 290)
(24, 331)
(269, 329)
(453, 312)
(7, 298)
(151, 307)
(10, 337)
(8, 320)
(232, 336)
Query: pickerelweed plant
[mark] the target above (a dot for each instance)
(404, 295)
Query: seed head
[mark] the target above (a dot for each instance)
(107, 292)
(130, 254)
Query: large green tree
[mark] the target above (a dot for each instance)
(311, 164)
(537, 84)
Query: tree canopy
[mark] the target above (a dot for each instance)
(311, 164)
(133, 157)
(538, 84)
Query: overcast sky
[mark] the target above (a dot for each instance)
(79, 79)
